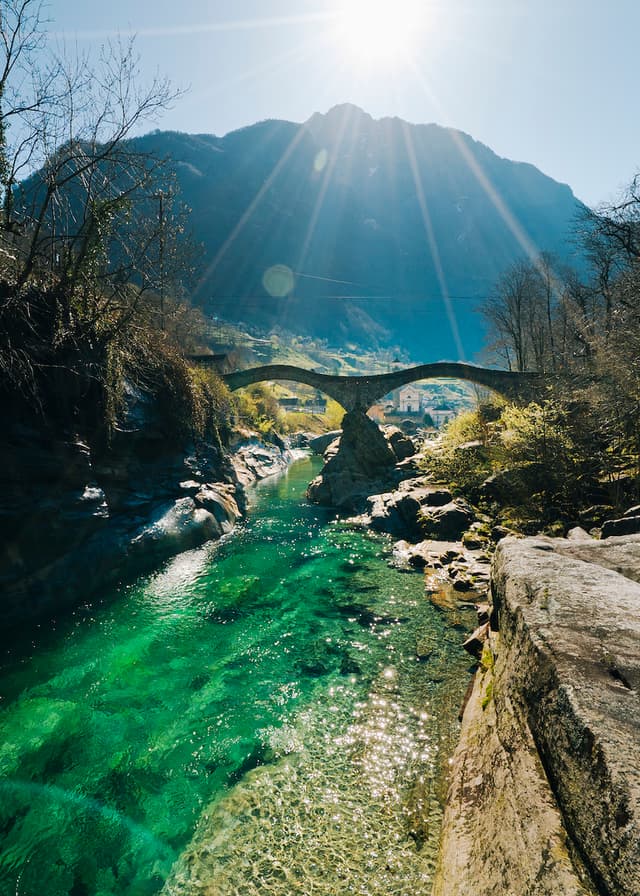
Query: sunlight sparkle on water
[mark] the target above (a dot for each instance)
(235, 697)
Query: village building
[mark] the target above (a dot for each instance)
(439, 416)
(317, 405)
(289, 403)
(409, 400)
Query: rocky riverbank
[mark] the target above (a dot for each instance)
(376, 473)
(74, 520)
(544, 797)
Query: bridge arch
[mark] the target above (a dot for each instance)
(361, 392)
(289, 373)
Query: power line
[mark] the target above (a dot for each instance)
(418, 297)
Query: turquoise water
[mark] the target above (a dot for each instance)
(251, 718)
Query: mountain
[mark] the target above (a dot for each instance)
(351, 228)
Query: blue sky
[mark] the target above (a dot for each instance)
(552, 82)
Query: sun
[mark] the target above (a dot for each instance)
(380, 30)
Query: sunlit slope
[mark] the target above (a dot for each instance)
(394, 232)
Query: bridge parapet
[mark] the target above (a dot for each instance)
(361, 392)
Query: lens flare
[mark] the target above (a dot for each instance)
(278, 281)
(320, 161)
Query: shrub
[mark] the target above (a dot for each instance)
(258, 408)
(463, 456)
(544, 439)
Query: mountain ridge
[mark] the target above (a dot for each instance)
(346, 106)
(416, 221)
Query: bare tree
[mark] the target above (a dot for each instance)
(526, 314)
(508, 313)
(91, 237)
(606, 257)
(618, 223)
(28, 92)
(70, 119)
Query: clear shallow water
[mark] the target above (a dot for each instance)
(263, 692)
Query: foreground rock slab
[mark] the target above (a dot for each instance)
(545, 790)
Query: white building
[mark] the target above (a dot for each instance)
(409, 400)
(439, 416)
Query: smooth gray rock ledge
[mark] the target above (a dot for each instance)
(545, 788)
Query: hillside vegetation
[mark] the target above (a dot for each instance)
(94, 264)
(575, 451)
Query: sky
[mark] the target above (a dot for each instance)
(551, 82)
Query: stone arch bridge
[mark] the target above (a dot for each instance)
(359, 393)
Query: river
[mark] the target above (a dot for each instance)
(252, 718)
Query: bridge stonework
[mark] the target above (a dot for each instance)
(359, 393)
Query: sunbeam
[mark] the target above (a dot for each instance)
(200, 27)
(433, 245)
(530, 250)
(326, 180)
(246, 216)
(305, 51)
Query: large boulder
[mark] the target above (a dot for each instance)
(178, 527)
(548, 766)
(401, 445)
(363, 462)
(399, 512)
(254, 459)
(319, 444)
(620, 554)
(446, 523)
(219, 500)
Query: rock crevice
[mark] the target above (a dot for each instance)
(553, 730)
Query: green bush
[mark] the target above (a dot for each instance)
(192, 402)
(544, 441)
(258, 408)
(463, 457)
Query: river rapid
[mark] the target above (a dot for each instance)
(268, 714)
